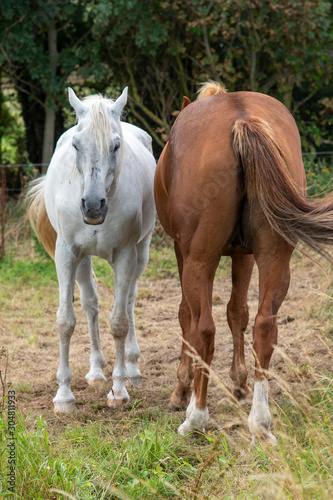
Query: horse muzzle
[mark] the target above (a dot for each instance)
(94, 211)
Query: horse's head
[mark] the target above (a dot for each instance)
(98, 145)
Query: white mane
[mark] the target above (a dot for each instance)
(101, 123)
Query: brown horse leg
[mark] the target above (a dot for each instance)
(238, 317)
(181, 395)
(274, 277)
(197, 283)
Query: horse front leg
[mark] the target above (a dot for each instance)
(124, 268)
(66, 264)
(89, 302)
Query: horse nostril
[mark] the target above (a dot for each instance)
(83, 203)
(103, 201)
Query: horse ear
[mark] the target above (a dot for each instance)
(118, 105)
(75, 102)
(186, 102)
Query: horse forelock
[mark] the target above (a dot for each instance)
(101, 123)
(210, 88)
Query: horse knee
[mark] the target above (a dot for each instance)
(65, 323)
(90, 305)
(265, 337)
(265, 328)
(119, 325)
(237, 315)
(185, 374)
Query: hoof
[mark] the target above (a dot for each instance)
(117, 403)
(67, 407)
(183, 429)
(243, 395)
(116, 398)
(180, 402)
(95, 381)
(136, 381)
(173, 407)
(95, 375)
(267, 439)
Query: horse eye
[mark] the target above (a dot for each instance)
(116, 147)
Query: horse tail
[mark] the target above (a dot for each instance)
(38, 216)
(211, 88)
(268, 180)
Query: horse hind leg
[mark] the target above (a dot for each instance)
(238, 317)
(89, 302)
(132, 350)
(180, 397)
(197, 283)
(274, 277)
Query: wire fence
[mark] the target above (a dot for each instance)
(7, 191)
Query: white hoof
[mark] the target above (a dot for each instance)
(95, 380)
(183, 429)
(95, 375)
(196, 419)
(116, 403)
(264, 437)
(117, 398)
(64, 407)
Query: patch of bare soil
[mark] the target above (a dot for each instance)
(32, 367)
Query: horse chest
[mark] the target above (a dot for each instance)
(97, 241)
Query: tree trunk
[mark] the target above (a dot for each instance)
(34, 117)
(50, 114)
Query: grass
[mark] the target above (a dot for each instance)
(143, 458)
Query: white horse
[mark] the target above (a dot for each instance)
(97, 199)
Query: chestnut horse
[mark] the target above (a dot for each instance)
(230, 181)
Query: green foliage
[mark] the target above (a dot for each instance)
(319, 173)
(164, 49)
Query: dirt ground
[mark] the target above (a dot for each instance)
(32, 366)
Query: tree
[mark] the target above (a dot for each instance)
(163, 50)
(40, 49)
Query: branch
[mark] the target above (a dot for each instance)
(182, 75)
(140, 104)
(148, 127)
(300, 103)
(253, 83)
(209, 54)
